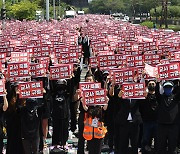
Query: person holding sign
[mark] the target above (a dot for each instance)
(167, 119)
(94, 130)
(13, 121)
(77, 97)
(30, 123)
(60, 115)
(148, 109)
(127, 122)
(3, 108)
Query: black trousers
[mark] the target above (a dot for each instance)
(1, 143)
(73, 115)
(129, 131)
(94, 146)
(60, 131)
(110, 129)
(167, 136)
(31, 146)
(81, 138)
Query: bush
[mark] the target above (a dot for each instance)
(149, 24)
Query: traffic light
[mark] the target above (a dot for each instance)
(3, 14)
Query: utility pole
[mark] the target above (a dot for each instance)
(47, 10)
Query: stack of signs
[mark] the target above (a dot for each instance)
(92, 93)
(30, 89)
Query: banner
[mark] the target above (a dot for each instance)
(169, 71)
(95, 96)
(30, 89)
(133, 90)
(61, 71)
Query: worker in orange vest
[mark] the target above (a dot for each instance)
(94, 130)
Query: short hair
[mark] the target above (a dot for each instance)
(89, 75)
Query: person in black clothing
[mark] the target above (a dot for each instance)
(127, 122)
(30, 122)
(77, 97)
(13, 121)
(167, 118)
(60, 114)
(3, 108)
(74, 84)
(112, 110)
(148, 110)
(86, 48)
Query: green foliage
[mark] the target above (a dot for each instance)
(23, 10)
(149, 24)
(173, 11)
(105, 6)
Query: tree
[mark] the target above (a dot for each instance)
(23, 10)
(105, 6)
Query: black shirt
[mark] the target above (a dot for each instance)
(148, 108)
(30, 119)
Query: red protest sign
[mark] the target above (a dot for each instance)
(2, 87)
(94, 97)
(89, 85)
(177, 55)
(93, 62)
(133, 90)
(152, 59)
(68, 57)
(30, 89)
(61, 71)
(123, 75)
(169, 71)
(20, 69)
(106, 60)
(134, 61)
(19, 56)
(37, 70)
(2, 57)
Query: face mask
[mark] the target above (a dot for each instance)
(168, 91)
(151, 88)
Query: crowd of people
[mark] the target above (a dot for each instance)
(127, 126)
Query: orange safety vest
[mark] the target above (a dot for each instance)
(90, 131)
